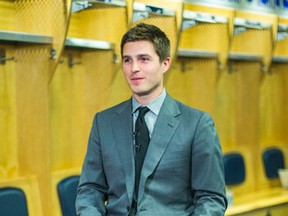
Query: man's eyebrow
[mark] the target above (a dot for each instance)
(144, 55)
(139, 55)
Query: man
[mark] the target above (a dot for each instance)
(182, 173)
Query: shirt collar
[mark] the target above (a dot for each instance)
(154, 105)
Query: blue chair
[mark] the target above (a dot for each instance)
(13, 202)
(273, 159)
(234, 168)
(67, 191)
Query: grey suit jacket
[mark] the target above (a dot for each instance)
(182, 173)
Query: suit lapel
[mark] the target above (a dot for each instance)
(163, 131)
(122, 128)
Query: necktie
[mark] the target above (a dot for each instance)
(141, 144)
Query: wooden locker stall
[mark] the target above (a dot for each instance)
(31, 39)
(77, 92)
(81, 85)
(244, 77)
(248, 60)
(273, 115)
(201, 54)
(273, 103)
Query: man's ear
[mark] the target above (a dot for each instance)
(166, 64)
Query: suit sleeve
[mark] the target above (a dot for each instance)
(208, 183)
(92, 189)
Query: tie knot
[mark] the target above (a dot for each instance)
(143, 111)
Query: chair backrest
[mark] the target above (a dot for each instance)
(67, 191)
(234, 168)
(13, 202)
(273, 160)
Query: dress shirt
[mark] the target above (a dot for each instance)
(151, 115)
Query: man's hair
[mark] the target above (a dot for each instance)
(146, 32)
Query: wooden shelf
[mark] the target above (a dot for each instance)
(280, 59)
(88, 44)
(190, 53)
(244, 57)
(79, 5)
(191, 18)
(242, 25)
(21, 37)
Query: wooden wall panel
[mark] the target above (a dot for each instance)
(248, 80)
(209, 36)
(256, 42)
(32, 115)
(100, 24)
(273, 117)
(194, 82)
(7, 15)
(8, 148)
(272, 106)
(76, 94)
(225, 106)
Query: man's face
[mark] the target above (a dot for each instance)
(143, 70)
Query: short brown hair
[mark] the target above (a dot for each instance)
(147, 32)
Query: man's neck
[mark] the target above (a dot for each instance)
(146, 99)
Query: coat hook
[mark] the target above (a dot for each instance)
(183, 66)
(53, 54)
(115, 58)
(3, 58)
(71, 62)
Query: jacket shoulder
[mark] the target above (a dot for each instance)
(184, 108)
(118, 108)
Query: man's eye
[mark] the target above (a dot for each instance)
(126, 60)
(144, 59)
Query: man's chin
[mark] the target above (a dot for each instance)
(140, 92)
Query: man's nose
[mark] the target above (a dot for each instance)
(135, 67)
